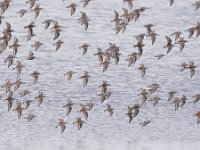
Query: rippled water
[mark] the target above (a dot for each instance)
(168, 129)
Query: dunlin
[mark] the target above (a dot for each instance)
(109, 109)
(79, 122)
(171, 95)
(37, 45)
(35, 75)
(40, 98)
(84, 47)
(69, 74)
(143, 124)
(62, 124)
(18, 109)
(72, 6)
(68, 105)
(22, 12)
(142, 69)
(27, 103)
(30, 117)
(37, 10)
(85, 78)
(58, 44)
(169, 44)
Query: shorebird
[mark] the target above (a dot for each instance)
(15, 46)
(183, 100)
(159, 56)
(143, 124)
(130, 3)
(135, 108)
(1, 18)
(144, 94)
(18, 109)
(22, 12)
(58, 44)
(104, 96)
(48, 22)
(100, 55)
(130, 115)
(40, 98)
(183, 66)
(133, 112)
(136, 14)
(24, 93)
(84, 47)
(140, 37)
(140, 46)
(109, 109)
(31, 2)
(10, 99)
(72, 6)
(176, 34)
(107, 54)
(30, 30)
(169, 44)
(37, 10)
(62, 124)
(132, 58)
(192, 67)
(148, 27)
(198, 29)
(84, 110)
(171, 95)
(84, 20)
(57, 32)
(153, 87)
(30, 117)
(89, 106)
(198, 117)
(37, 45)
(155, 100)
(4, 5)
(79, 122)
(196, 97)
(69, 74)
(126, 15)
(35, 75)
(153, 35)
(85, 2)
(105, 64)
(8, 28)
(10, 60)
(181, 42)
(68, 105)
(116, 19)
(7, 85)
(85, 78)
(176, 102)
(196, 5)
(30, 56)
(30, 27)
(142, 69)
(104, 86)
(19, 67)
(27, 102)
(191, 31)
(17, 84)
(171, 2)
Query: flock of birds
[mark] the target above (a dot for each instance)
(104, 57)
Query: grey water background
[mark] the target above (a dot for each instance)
(168, 130)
